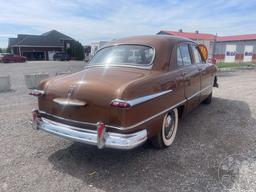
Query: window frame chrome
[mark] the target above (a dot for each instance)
(148, 66)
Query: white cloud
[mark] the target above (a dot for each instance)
(92, 20)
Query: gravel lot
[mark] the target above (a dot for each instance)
(36, 161)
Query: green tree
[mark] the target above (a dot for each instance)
(78, 51)
(1, 50)
(8, 50)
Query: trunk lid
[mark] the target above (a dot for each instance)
(94, 86)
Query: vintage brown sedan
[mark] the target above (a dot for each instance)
(134, 89)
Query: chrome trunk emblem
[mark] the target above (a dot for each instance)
(69, 102)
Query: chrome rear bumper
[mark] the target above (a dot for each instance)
(110, 139)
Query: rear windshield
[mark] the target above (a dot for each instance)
(138, 55)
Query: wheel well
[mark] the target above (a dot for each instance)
(181, 110)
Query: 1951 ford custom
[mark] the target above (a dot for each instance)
(133, 89)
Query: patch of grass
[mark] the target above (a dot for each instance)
(235, 65)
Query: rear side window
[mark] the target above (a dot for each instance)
(184, 55)
(197, 55)
(179, 58)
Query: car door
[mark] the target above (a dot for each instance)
(190, 75)
(206, 74)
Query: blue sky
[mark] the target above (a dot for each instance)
(92, 20)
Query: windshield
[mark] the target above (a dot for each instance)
(138, 55)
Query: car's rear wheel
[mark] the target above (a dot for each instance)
(167, 134)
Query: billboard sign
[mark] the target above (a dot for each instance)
(248, 49)
(230, 54)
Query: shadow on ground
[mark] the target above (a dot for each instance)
(205, 137)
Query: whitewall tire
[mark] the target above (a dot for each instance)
(168, 131)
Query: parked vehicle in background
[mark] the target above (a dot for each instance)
(11, 58)
(61, 57)
(134, 89)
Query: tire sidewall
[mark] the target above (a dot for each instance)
(168, 142)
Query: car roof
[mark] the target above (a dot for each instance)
(163, 45)
(151, 40)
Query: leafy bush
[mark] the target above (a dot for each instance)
(76, 51)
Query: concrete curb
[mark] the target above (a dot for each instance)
(234, 69)
(5, 83)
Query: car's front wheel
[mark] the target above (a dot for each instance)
(167, 134)
(208, 100)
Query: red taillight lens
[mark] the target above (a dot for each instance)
(120, 104)
(37, 93)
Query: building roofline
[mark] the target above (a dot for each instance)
(36, 46)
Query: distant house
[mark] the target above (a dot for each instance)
(40, 47)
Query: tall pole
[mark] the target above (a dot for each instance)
(19, 51)
(214, 45)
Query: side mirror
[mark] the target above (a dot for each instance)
(202, 48)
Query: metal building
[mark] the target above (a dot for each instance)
(228, 49)
(235, 49)
(204, 38)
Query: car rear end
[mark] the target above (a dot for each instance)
(91, 107)
(80, 107)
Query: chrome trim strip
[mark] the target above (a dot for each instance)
(129, 66)
(65, 119)
(143, 99)
(197, 93)
(36, 91)
(148, 119)
(112, 140)
(69, 102)
(114, 127)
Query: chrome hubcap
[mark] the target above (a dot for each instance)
(169, 123)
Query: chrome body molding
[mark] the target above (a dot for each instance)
(65, 119)
(115, 127)
(69, 102)
(197, 93)
(142, 99)
(134, 125)
(37, 91)
(112, 140)
(150, 118)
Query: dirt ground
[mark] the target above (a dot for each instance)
(210, 140)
